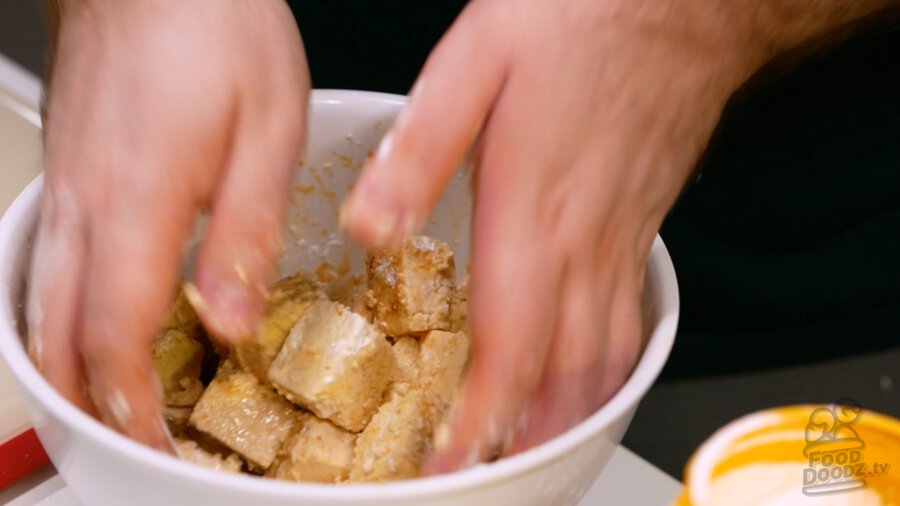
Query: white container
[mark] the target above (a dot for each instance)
(104, 468)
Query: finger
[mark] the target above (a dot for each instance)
(594, 349)
(54, 290)
(451, 98)
(624, 330)
(566, 392)
(510, 321)
(132, 268)
(514, 289)
(238, 257)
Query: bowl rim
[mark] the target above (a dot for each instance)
(17, 225)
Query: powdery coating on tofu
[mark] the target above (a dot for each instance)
(176, 356)
(244, 415)
(335, 364)
(406, 354)
(394, 444)
(459, 307)
(287, 302)
(191, 451)
(353, 292)
(411, 286)
(320, 451)
(443, 359)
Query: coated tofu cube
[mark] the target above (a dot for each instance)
(176, 418)
(244, 415)
(176, 357)
(182, 315)
(335, 364)
(396, 441)
(192, 452)
(406, 354)
(320, 451)
(443, 357)
(459, 307)
(353, 292)
(411, 286)
(288, 300)
(190, 391)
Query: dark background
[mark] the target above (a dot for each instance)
(786, 248)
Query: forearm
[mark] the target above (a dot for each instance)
(786, 25)
(731, 40)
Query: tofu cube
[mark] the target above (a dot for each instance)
(394, 444)
(245, 415)
(353, 292)
(176, 418)
(459, 307)
(335, 364)
(443, 359)
(406, 354)
(411, 286)
(182, 315)
(176, 357)
(288, 300)
(320, 451)
(192, 452)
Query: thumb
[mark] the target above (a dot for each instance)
(402, 183)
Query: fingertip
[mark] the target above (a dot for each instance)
(372, 225)
(228, 305)
(128, 397)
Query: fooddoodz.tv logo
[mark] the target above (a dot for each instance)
(835, 452)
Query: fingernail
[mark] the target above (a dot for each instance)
(345, 217)
(226, 305)
(384, 228)
(409, 224)
(442, 437)
(170, 446)
(385, 148)
(384, 225)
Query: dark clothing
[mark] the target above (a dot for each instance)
(788, 247)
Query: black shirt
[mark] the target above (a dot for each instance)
(787, 249)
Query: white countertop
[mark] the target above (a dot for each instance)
(628, 479)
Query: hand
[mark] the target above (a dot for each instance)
(156, 110)
(589, 117)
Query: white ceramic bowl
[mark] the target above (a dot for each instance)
(104, 468)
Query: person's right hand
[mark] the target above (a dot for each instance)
(156, 110)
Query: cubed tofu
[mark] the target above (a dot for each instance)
(406, 354)
(176, 356)
(182, 315)
(245, 415)
(459, 307)
(319, 451)
(176, 418)
(288, 299)
(353, 292)
(411, 286)
(443, 359)
(335, 364)
(395, 442)
(190, 451)
(190, 390)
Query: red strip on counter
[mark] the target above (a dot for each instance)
(21, 456)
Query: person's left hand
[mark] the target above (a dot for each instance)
(590, 115)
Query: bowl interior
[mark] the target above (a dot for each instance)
(345, 128)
